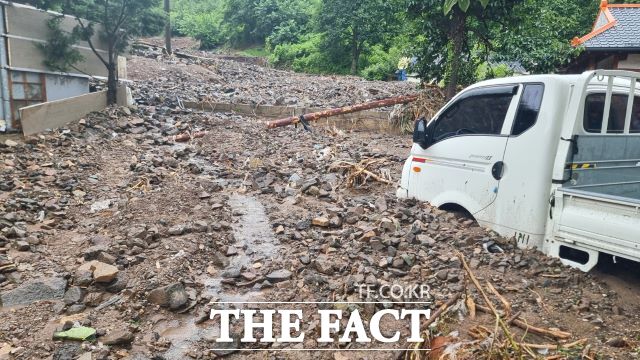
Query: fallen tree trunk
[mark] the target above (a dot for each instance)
(343, 110)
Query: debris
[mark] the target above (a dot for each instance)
(320, 221)
(117, 337)
(34, 290)
(188, 136)
(81, 333)
(341, 111)
(359, 174)
(102, 273)
(100, 205)
(173, 296)
(278, 276)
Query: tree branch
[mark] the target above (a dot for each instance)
(90, 42)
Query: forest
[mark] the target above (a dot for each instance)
(449, 42)
(468, 39)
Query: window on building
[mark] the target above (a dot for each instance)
(528, 108)
(475, 115)
(27, 88)
(594, 110)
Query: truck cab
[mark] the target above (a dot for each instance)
(519, 154)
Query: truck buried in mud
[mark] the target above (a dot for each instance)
(553, 160)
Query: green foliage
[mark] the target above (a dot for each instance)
(201, 20)
(381, 64)
(307, 56)
(250, 22)
(542, 42)
(58, 51)
(356, 25)
(452, 41)
(487, 71)
(462, 4)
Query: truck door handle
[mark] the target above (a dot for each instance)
(497, 170)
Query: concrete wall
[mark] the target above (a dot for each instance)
(26, 27)
(62, 87)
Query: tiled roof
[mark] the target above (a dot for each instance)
(624, 34)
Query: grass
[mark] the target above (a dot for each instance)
(257, 51)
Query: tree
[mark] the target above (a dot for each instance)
(167, 27)
(356, 24)
(452, 34)
(542, 43)
(113, 21)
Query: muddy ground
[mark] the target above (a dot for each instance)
(110, 225)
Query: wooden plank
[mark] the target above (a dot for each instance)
(51, 115)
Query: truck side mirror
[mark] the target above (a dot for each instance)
(420, 133)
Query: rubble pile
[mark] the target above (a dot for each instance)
(116, 242)
(214, 79)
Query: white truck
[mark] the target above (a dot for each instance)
(553, 160)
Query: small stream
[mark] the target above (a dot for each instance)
(255, 242)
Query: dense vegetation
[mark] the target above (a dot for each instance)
(454, 41)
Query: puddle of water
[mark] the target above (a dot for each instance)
(252, 232)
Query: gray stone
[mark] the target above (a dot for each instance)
(279, 275)
(93, 252)
(177, 230)
(324, 265)
(22, 245)
(117, 337)
(76, 309)
(83, 277)
(172, 296)
(35, 290)
(74, 295)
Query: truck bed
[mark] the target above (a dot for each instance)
(598, 222)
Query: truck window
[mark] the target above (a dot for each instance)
(528, 108)
(477, 115)
(594, 109)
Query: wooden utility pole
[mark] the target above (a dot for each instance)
(167, 27)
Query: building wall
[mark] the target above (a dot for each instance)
(632, 62)
(27, 27)
(62, 87)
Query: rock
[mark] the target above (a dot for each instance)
(22, 245)
(172, 296)
(618, 342)
(10, 143)
(92, 252)
(176, 230)
(76, 309)
(305, 260)
(83, 277)
(279, 275)
(320, 221)
(442, 274)
(425, 240)
(102, 273)
(117, 337)
(34, 290)
(100, 205)
(324, 265)
(74, 295)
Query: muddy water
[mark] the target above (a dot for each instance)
(255, 242)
